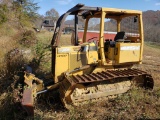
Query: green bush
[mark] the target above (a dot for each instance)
(3, 13)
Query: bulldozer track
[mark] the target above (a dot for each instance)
(106, 84)
(107, 75)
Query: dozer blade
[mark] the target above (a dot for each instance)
(28, 101)
(82, 88)
(30, 90)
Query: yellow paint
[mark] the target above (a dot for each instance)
(70, 58)
(141, 36)
(111, 55)
(101, 39)
(114, 10)
(118, 25)
(130, 54)
(61, 66)
(85, 30)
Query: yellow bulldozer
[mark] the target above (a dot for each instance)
(87, 70)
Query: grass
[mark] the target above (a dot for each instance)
(135, 104)
(153, 44)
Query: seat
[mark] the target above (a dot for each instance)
(119, 35)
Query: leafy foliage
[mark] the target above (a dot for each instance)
(25, 11)
(3, 13)
(40, 52)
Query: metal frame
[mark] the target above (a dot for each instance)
(60, 23)
(59, 26)
(87, 12)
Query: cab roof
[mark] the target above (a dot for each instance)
(84, 10)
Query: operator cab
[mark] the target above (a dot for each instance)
(110, 37)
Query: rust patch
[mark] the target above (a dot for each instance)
(27, 101)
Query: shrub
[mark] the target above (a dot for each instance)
(28, 38)
(3, 16)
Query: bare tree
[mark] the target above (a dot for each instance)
(52, 14)
(93, 23)
(151, 21)
(110, 25)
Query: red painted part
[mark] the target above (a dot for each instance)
(27, 101)
(95, 35)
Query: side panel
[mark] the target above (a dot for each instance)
(61, 64)
(127, 52)
(111, 53)
(92, 57)
(77, 60)
(69, 58)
